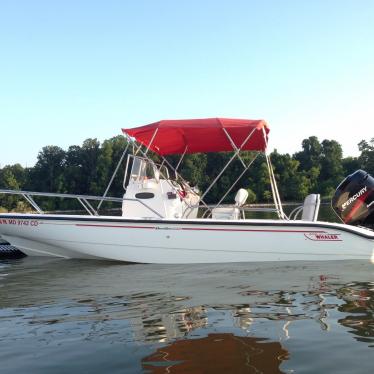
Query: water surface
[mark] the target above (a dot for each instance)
(69, 316)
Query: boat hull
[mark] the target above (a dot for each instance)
(184, 241)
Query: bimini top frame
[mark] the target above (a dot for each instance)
(170, 137)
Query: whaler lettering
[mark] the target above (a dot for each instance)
(324, 237)
(354, 197)
(327, 237)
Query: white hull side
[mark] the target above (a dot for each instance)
(198, 241)
(38, 248)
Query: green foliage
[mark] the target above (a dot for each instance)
(350, 165)
(366, 158)
(87, 169)
(193, 168)
(8, 180)
(266, 196)
(251, 196)
(331, 166)
(310, 156)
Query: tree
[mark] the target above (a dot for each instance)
(331, 167)
(90, 155)
(350, 165)
(259, 179)
(118, 144)
(366, 158)
(74, 172)
(193, 168)
(48, 173)
(8, 181)
(310, 164)
(81, 169)
(312, 176)
(251, 196)
(87, 169)
(311, 154)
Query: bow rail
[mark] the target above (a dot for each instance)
(83, 200)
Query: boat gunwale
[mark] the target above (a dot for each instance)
(207, 222)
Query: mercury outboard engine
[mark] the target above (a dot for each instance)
(353, 200)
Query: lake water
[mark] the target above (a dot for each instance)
(70, 316)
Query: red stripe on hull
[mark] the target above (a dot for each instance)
(199, 229)
(115, 227)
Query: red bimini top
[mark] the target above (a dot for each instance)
(170, 137)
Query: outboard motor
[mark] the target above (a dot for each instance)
(353, 200)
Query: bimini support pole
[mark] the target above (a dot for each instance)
(235, 148)
(152, 139)
(114, 174)
(175, 169)
(148, 146)
(236, 153)
(237, 180)
(273, 193)
(181, 158)
(273, 183)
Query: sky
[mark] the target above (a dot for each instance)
(72, 70)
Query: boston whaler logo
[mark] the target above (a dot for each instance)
(353, 198)
(323, 237)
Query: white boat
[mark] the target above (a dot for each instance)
(160, 224)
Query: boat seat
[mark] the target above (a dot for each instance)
(311, 207)
(241, 197)
(231, 212)
(226, 213)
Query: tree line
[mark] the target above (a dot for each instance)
(86, 169)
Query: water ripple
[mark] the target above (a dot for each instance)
(158, 318)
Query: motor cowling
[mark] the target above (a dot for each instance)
(353, 200)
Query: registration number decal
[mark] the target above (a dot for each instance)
(19, 222)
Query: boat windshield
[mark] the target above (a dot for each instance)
(143, 169)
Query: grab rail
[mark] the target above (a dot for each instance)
(83, 200)
(295, 212)
(207, 210)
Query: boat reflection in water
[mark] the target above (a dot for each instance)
(166, 327)
(177, 319)
(217, 353)
(359, 305)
